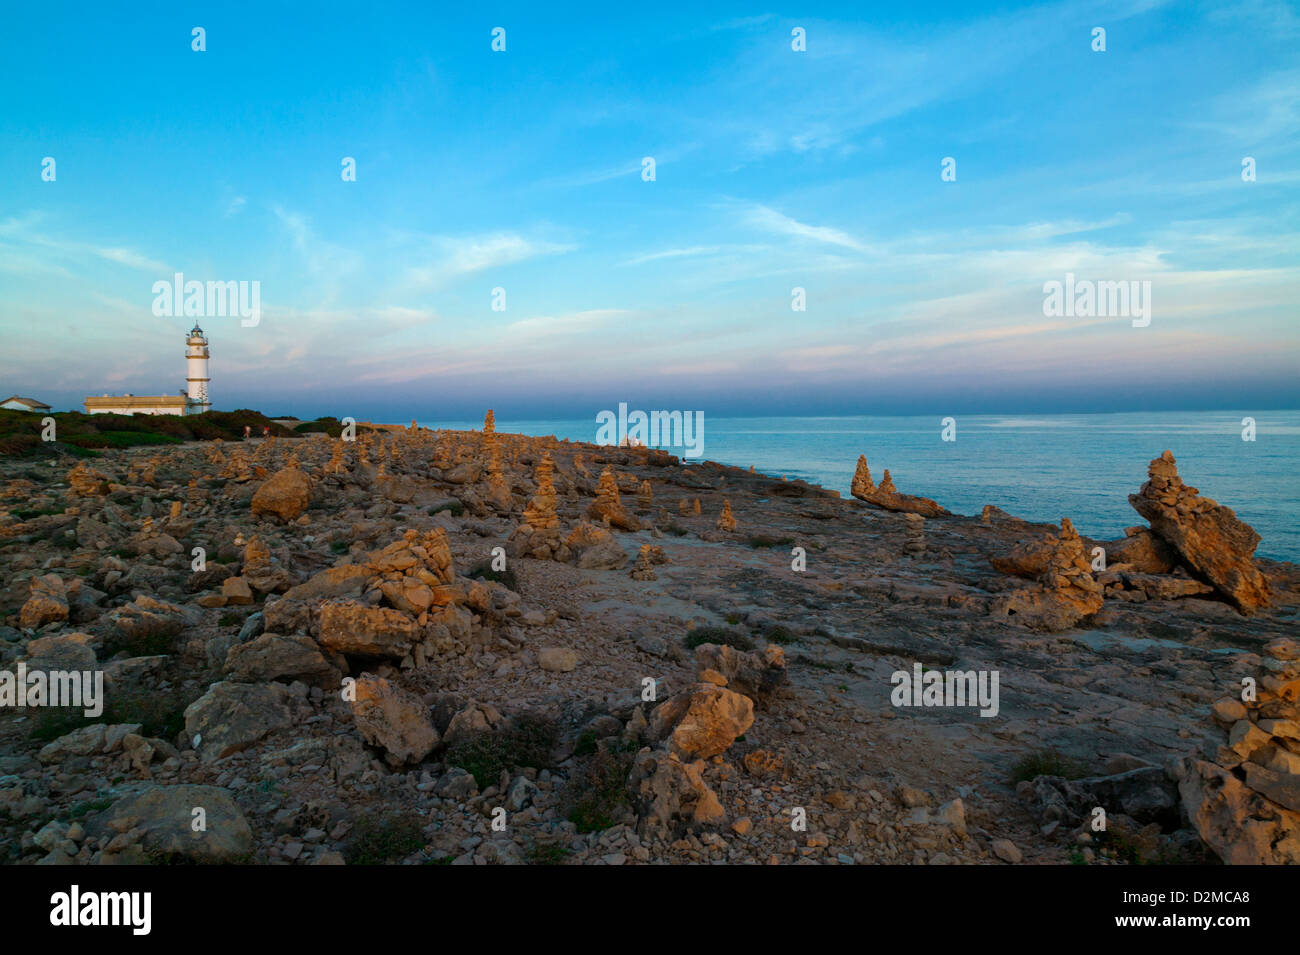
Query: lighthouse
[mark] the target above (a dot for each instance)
(197, 400)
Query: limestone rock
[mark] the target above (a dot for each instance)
(63, 651)
(1067, 591)
(345, 580)
(644, 568)
(607, 507)
(274, 656)
(596, 548)
(236, 591)
(165, 816)
(394, 719)
(349, 626)
(146, 619)
(726, 521)
(702, 721)
(1208, 537)
(286, 495)
(755, 673)
(557, 659)
(1141, 551)
(47, 603)
(85, 481)
(671, 794)
(232, 716)
(1244, 800)
(886, 496)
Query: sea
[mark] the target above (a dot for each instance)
(1038, 467)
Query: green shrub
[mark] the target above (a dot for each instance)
(545, 853)
(1047, 762)
(483, 571)
(719, 635)
(775, 633)
(157, 642)
(385, 837)
(528, 740)
(160, 715)
(598, 796)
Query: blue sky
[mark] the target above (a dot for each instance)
(774, 169)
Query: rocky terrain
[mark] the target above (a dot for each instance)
(479, 648)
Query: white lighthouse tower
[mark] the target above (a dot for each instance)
(196, 372)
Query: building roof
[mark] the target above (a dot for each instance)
(29, 402)
(144, 401)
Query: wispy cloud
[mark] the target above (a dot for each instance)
(761, 217)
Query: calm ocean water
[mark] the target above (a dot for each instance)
(1040, 468)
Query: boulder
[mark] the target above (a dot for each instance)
(274, 656)
(286, 495)
(596, 548)
(393, 719)
(755, 673)
(557, 659)
(1141, 551)
(345, 580)
(702, 721)
(168, 822)
(64, 651)
(672, 795)
(232, 716)
(47, 603)
(349, 626)
(147, 619)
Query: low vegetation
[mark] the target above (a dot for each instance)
(528, 741)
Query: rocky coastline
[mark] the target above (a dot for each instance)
(484, 648)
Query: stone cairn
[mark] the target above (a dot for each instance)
(644, 569)
(914, 529)
(1206, 535)
(498, 491)
(1242, 792)
(886, 494)
(335, 464)
(726, 522)
(84, 481)
(645, 498)
(608, 507)
(539, 534)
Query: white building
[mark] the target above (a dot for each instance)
(193, 400)
(19, 403)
